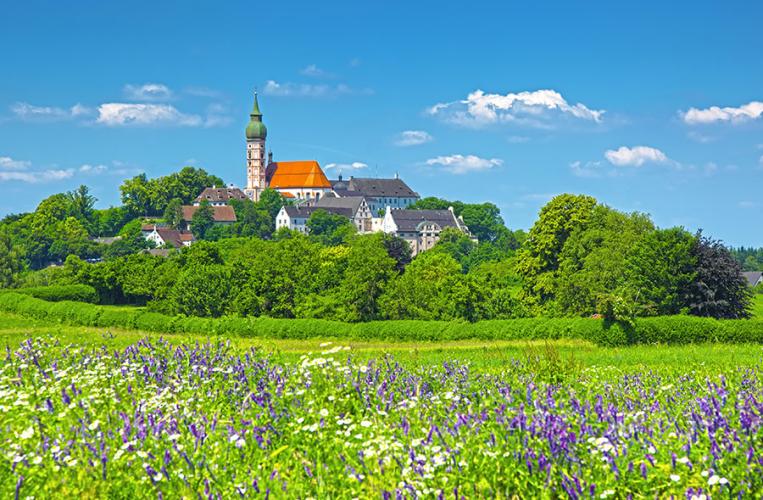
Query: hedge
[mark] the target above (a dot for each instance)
(58, 293)
(665, 330)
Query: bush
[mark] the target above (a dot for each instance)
(664, 330)
(58, 293)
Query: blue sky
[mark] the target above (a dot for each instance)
(648, 106)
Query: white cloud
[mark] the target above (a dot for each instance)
(635, 157)
(92, 169)
(356, 165)
(588, 170)
(460, 164)
(120, 114)
(148, 92)
(527, 108)
(35, 177)
(29, 112)
(9, 163)
(413, 138)
(748, 204)
(750, 111)
(314, 71)
(289, 89)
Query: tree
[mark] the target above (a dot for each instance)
(142, 196)
(81, 204)
(328, 228)
(538, 260)
(173, 214)
(369, 267)
(660, 268)
(201, 291)
(10, 266)
(202, 220)
(398, 249)
(426, 289)
(719, 289)
(136, 196)
(592, 263)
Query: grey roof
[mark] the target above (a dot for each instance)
(409, 220)
(374, 188)
(753, 277)
(223, 194)
(351, 202)
(305, 212)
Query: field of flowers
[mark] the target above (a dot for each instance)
(205, 420)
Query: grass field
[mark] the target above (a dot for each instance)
(97, 413)
(487, 356)
(758, 305)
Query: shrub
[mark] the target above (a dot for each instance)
(664, 330)
(58, 293)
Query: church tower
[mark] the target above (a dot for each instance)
(256, 133)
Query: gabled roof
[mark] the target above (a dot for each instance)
(224, 194)
(410, 220)
(224, 213)
(171, 236)
(753, 277)
(296, 174)
(306, 212)
(351, 202)
(392, 188)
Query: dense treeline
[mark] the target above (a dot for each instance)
(751, 259)
(294, 276)
(581, 258)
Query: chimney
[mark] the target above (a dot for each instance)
(340, 177)
(270, 157)
(450, 208)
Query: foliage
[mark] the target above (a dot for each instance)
(591, 275)
(173, 213)
(719, 289)
(10, 266)
(202, 220)
(660, 269)
(201, 290)
(143, 196)
(328, 228)
(398, 249)
(538, 261)
(58, 293)
(751, 259)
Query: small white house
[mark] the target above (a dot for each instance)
(162, 236)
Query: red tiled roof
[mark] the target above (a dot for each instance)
(298, 174)
(224, 213)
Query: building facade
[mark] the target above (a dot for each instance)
(421, 228)
(379, 193)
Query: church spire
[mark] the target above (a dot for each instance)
(256, 129)
(256, 109)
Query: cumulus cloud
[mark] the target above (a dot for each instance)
(8, 163)
(635, 157)
(92, 169)
(460, 164)
(413, 138)
(290, 89)
(148, 92)
(29, 112)
(120, 114)
(750, 111)
(314, 71)
(534, 108)
(356, 165)
(35, 177)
